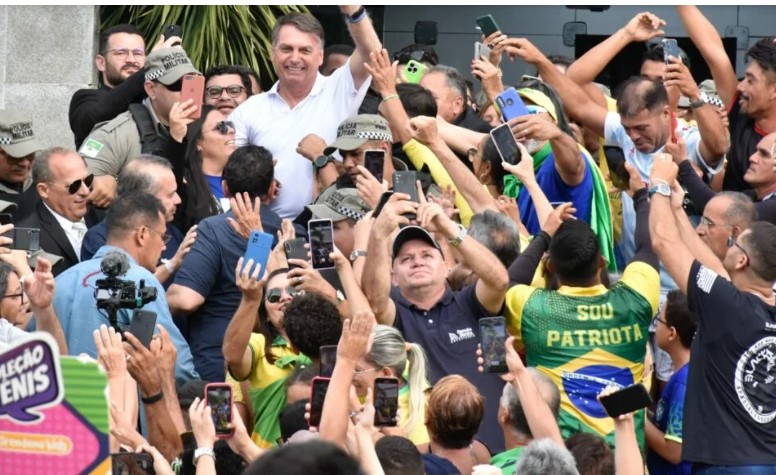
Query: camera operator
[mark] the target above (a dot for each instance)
(136, 229)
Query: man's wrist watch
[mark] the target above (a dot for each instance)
(203, 451)
(660, 189)
(356, 254)
(462, 233)
(321, 161)
(703, 99)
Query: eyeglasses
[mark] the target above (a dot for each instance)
(174, 87)
(710, 224)
(214, 92)
(165, 236)
(224, 126)
(732, 240)
(74, 186)
(664, 322)
(276, 293)
(123, 53)
(20, 295)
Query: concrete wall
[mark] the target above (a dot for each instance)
(543, 25)
(46, 54)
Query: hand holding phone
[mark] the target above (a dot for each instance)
(511, 104)
(414, 71)
(506, 144)
(173, 30)
(295, 249)
(671, 48)
(493, 335)
(258, 249)
(481, 52)
(615, 161)
(218, 397)
(374, 160)
(317, 397)
(626, 400)
(406, 182)
(321, 233)
(386, 402)
(193, 87)
(142, 326)
(487, 24)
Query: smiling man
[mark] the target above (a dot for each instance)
(226, 87)
(303, 101)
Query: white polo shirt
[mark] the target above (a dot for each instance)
(267, 120)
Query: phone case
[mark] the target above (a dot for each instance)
(142, 326)
(380, 204)
(193, 87)
(481, 52)
(404, 182)
(615, 161)
(258, 249)
(295, 250)
(511, 105)
(321, 234)
(626, 400)
(670, 48)
(26, 239)
(487, 24)
(414, 71)
(386, 401)
(374, 161)
(505, 143)
(318, 386)
(219, 397)
(493, 334)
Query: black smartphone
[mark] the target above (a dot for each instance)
(373, 161)
(26, 239)
(317, 396)
(405, 182)
(487, 24)
(219, 397)
(670, 48)
(626, 400)
(295, 250)
(142, 326)
(493, 334)
(380, 204)
(505, 143)
(615, 161)
(321, 233)
(173, 30)
(328, 358)
(386, 401)
(130, 462)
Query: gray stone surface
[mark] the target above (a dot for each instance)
(49, 104)
(3, 41)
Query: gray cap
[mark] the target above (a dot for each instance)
(17, 137)
(168, 65)
(7, 206)
(358, 130)
(32, 258)
(708, 87)
(339, 204)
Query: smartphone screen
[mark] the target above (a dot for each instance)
(142, 326)
(626, 400)
(295, 250)
(258, 248)
(405, 182)
(328, 358)
(511, 105)
(670, 48)
(615, 160)
(219, 398)
(373, 161)
(386, 401)
(493, 334)
(321, 233)
(318, 395)
(129, 462)
(505, 143)
(193, 87)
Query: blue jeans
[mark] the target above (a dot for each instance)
(702, 469)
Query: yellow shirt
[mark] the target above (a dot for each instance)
(417, 434)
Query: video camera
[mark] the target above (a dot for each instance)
(112, 293)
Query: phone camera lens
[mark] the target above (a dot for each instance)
(510, 102)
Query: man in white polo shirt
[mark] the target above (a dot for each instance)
(303, 101)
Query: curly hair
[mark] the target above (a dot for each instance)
(311, 321)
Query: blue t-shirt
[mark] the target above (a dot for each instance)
(96, 235)
(208, 269)
(556, 190)
(668, 418)
(215, 186)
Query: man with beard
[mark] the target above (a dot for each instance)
(121, 60)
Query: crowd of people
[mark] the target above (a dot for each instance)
(665, 280)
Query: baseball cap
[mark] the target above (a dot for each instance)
(17, 137)
(708, 87)
(356, 131)
(412, 233)
(32, 258)
(338, 204)
(168, 65)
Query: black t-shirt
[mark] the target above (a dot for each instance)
(730, 413)
(744, 136)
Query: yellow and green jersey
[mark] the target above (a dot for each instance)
(587, 338)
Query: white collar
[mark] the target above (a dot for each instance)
(65, 223)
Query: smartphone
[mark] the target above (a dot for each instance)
(626, 400)
(173, 30)
(487, 24)
(481, 52)
(414, 71)
(130, 462)
(321, 233)
(258, 249)
(505, 143)
(295, 250)
(5, 218)
(193, 87)
(373, 161)
(405, 182)
(674, 125)
(328, 358)
(317, 396)
(142, 326)
(26, 239)
(670, 48)
(380, 204)
(615, 161)
(493, 334)
(511, 105)
(386, 402)
(219, 397)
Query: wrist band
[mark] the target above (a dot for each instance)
(389, 97)
(168, 266)
(152, 399)
(356, 17)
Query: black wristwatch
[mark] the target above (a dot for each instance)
(321, 161)
(354, 18)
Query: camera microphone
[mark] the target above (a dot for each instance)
(114, 264)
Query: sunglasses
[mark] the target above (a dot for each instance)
(214, 92)
(418, 55)
(275, 294)
(224, 126)
(74, 186)
(174, 87)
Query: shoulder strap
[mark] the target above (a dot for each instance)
(150, 141)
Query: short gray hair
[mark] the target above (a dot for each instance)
(511, 401)
(137, 177)
(741, 211)
(41, 166)
(546, 457)
(301, 21)
(498, 233)
(454, 78)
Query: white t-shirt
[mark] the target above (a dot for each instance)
(9, 334)
(267, 120)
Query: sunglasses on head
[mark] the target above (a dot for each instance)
(418, 55)
(74, 186)
(275, 294)
(214, 92)
(223, 126)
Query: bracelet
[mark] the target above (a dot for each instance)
(152, 399)
(389, 97)
(169, 267)
(356, 17)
